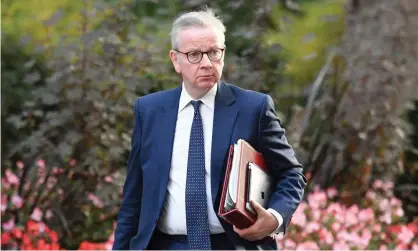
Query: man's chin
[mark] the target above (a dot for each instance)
(206, 84)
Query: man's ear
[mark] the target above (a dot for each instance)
(175, 60)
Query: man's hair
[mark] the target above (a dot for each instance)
(204, 18)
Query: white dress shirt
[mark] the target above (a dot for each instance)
(173, 217)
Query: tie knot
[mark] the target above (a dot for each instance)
(196, 104)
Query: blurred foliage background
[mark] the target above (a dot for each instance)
(341, 74)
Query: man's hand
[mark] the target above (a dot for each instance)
(265, 224)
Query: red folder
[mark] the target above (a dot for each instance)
(239, 216)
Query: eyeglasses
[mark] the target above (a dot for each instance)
(195, 57)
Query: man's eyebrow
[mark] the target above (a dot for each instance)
(210, 48)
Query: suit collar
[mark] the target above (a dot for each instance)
(224, 97)
(208, 99)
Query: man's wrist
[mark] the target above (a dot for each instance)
(279, 219)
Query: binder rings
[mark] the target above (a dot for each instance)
(246, 179)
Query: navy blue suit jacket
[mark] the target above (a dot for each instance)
(239, 114)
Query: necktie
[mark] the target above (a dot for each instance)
(198, 233)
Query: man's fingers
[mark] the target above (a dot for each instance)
(250, 233)
(257, 207)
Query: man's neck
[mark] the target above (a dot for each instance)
(196, 93)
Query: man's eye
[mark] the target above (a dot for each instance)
(214, 53)
(194, 54)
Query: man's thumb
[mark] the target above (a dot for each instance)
(257, 207)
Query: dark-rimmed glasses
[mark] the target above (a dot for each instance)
(195, 57)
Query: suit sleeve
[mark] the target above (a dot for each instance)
(128, 217)
(280, 157)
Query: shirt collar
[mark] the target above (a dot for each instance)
(208, 99)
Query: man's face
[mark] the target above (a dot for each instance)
(201, 76)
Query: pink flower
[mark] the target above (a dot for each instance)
(377, 184)
(316, 215)
(308, 245)
(3, 203)
(384, 205)
(17, 201)
(399, 212)
(349, 237)
(395, 202)
(317, 200)
(48, 214)
(9, 225)
(371, 195)
(280, 245)
(41, 163)
(108, 246)
(353, 209)
(299, 218)
(336, 226)
(11, 177)
(350, 219)
(415, 246)
(364, 241)
(312, 227)
(386, 218)
(406, 235)
(377, 228)
(334, 209)
(341, 245)
(383, 247)
(5, 184)
(331, 192)
(366, 215)
(37, 214)
(73, 162)
(108, 179)
(96, 200)
(340, 217)
(289, 244)
(326, 236)
(20, 164)
(401, 246)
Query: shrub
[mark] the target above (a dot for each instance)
(35, 201)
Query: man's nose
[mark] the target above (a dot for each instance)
(205, 61)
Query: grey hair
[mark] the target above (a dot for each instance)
(204, 18)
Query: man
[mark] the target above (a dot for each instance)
(179, 151)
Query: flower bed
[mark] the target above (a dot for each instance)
(377, 222)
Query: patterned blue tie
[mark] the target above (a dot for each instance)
(198, 233)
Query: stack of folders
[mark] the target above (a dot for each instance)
(246, 178)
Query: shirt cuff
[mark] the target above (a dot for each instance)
(279, 219)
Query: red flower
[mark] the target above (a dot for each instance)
(41, 244)
(54, 236)
(55, 246)
(413, 227)
(394, 229)
(5, 238)
(17, 232)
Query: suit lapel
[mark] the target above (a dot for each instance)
(167, 128)
(223, 124)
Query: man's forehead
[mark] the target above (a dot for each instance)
(197, 37)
